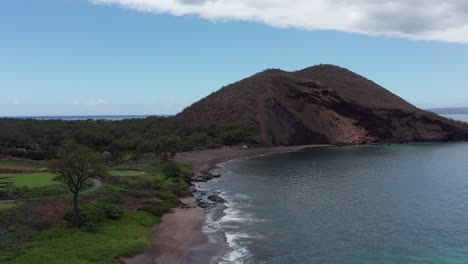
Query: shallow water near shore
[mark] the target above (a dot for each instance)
(366, 204)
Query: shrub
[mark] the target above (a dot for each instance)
(157, 209)
(176, 185)
(90, 217)
(108, 194)
(112, 212)
(171, 169)
(147, 183)
(169, 198)
(93, 215)
(140, 194)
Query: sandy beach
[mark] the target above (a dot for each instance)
(178, 232)
(179, 238)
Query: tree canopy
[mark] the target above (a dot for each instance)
(42, 139)
(77, 165)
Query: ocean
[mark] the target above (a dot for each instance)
(391, 204)
(77, 118)
(459, 117)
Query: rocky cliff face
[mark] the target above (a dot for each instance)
(321, 104)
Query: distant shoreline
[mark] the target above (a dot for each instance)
(83, 117)
(203, 161)
(449, 110)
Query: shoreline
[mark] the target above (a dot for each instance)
(179, 238)
(205, 160)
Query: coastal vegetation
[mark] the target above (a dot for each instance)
(125, 140)
(115, 219)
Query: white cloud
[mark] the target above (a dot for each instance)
(413, 19)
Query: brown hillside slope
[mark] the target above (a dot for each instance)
(320, 104)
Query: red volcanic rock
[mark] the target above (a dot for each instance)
(323, 104)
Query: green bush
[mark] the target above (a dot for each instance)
(108, 194)
(157, 209)
(171, 169)
(93, 215)
(175, 185)
(146, 183)
(139, 194)
(90, 217)
(169, 198)
(112, 212)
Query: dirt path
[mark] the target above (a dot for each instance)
(96, 185)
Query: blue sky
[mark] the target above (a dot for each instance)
(76, 57)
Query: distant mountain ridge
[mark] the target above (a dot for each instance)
(449, 110)
(324, 104)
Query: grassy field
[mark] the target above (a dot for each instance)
(111, 242)
(31, 185)
(30, 180)
(6, 206)
(19, 164)
(127, 173)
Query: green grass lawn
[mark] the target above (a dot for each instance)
(30, 180)
(127, 173)
(6, 206)
(19, 164)
(113, 241)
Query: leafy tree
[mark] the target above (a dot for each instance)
(77, 165)
(41, 139)
(168, 146)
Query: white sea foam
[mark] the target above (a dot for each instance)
(241, 196)
(228, 225)
(235, 214)
(237, 253)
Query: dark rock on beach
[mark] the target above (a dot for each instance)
(216, 198)
(205, 177)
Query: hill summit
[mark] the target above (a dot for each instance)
(324, 104)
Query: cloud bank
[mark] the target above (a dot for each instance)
(438, 20)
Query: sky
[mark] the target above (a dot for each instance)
(116, 57)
